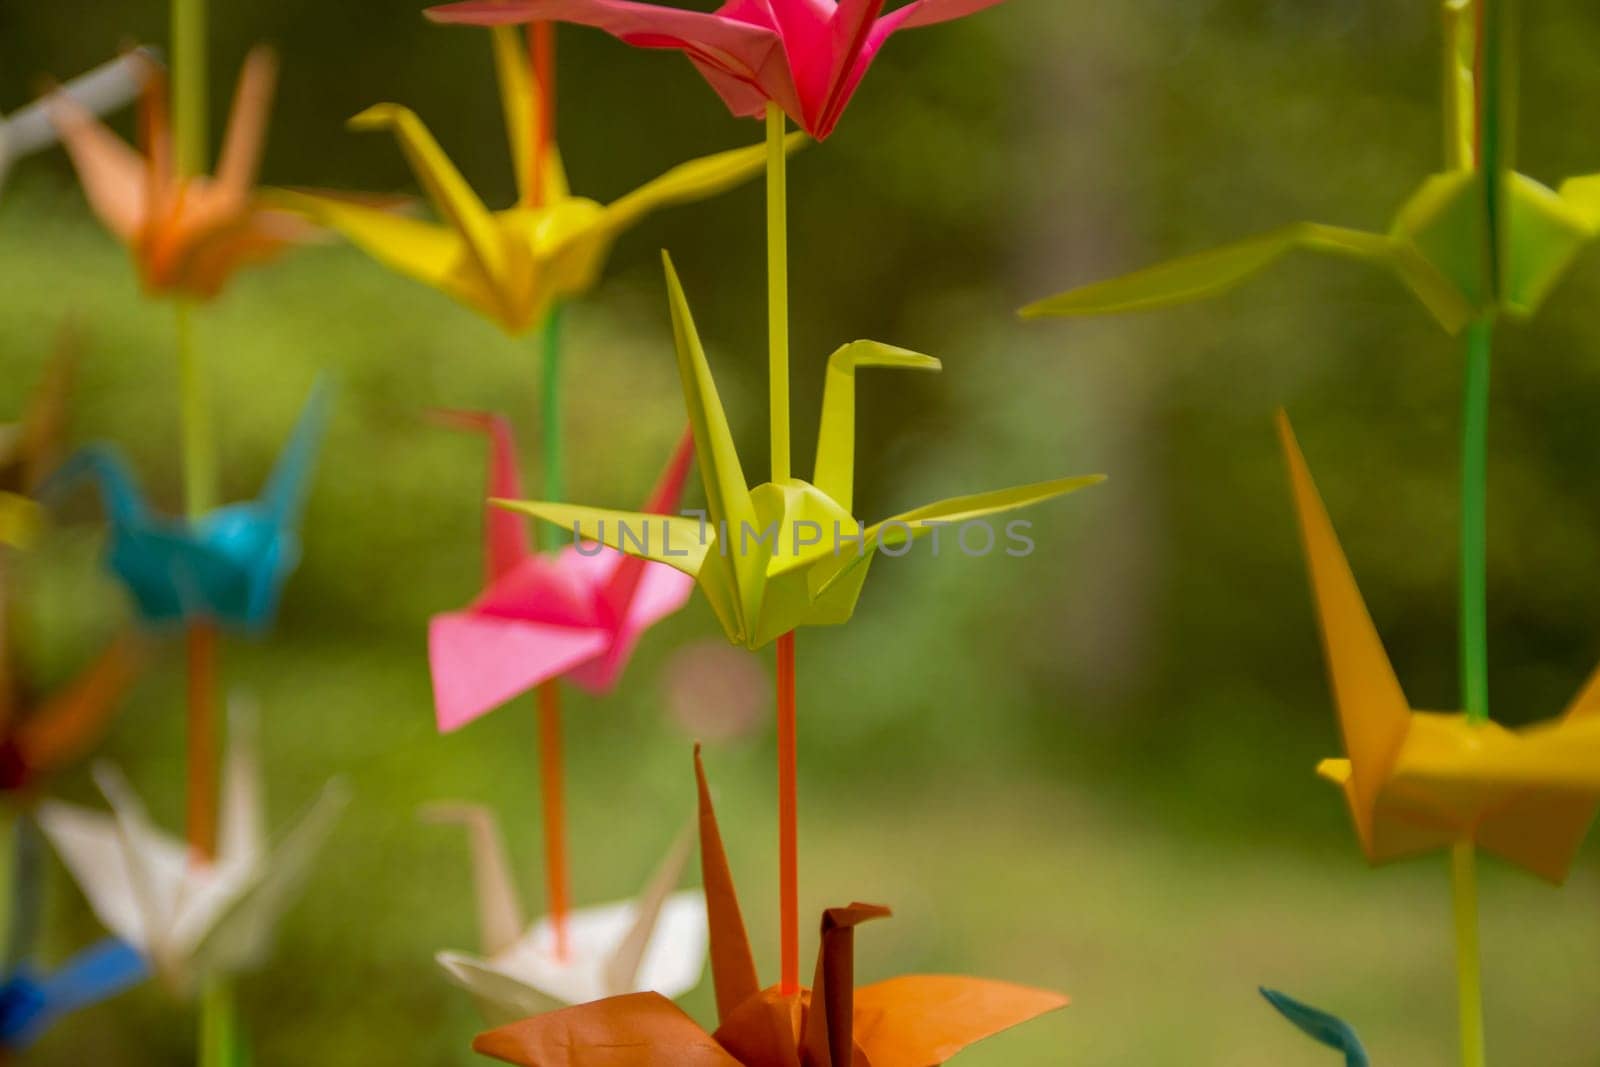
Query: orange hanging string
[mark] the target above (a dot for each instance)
(541, 47)
(555, 819)
(788, 811)
(201, 738)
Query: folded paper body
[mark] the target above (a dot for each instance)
(1436, 248)
(31, 1001)
(190, 917)
(576, 615)
(229, 566)
(775, 558)
(1458, 258)
(30, 447)
(508, 265)
(188, 234)
(39, 736)
(101, 91)
(1321, 1027)
(806, 56)
(1417, 781)
(653, 943)
(42, 732)
(916, 1020)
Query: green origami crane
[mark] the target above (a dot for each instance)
(785, 554)
(1469, 242)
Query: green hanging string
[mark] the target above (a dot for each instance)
(1479, 345)
(1496, 108)
(200, 475)
(219, 1026)
(554, 489)
(25, 852)
(778, 291)
(219, 1045)
(189, 74)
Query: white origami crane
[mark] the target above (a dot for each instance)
(192, 918)
(654, 943)
(104, 89)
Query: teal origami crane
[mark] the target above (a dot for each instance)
(1321, 1027)
(226, 567)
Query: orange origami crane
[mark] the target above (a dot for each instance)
(188, 235)
(1421, 781)
(913, 1021)
(40, 734)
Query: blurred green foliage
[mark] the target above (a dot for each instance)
(1097, 778)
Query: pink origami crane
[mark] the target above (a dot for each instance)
(578, 613)
(806, 56)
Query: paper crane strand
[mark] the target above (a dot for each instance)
(229, 566)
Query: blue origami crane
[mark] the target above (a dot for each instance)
(30, 1002)
(229, 566)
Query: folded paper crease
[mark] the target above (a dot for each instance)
(1417, 781)
(780, 556)
(913, 1021)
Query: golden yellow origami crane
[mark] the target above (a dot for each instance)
(1420, 781)
(1440, 245)
(789, 554)
(188, 235)
(510, 265)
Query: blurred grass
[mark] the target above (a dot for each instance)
(1089, 771)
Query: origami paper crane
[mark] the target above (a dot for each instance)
(39, 738)
(31, 1002)
(912, 1021)
(191, 917)
(796, 572)
(1439, 245)
(39, 735)
(101, 91)
(1320, 1026)
(188, 235)
(653, 943)
(578, 614)
(230, 565)
(1420, 781)
(806, 56)
(510, 265)
(30, 447)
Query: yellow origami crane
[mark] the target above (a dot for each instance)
(510, 265)
(782, 555)
(1439, 245)
(1421, 781)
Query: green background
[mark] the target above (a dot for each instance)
(1089, 770)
